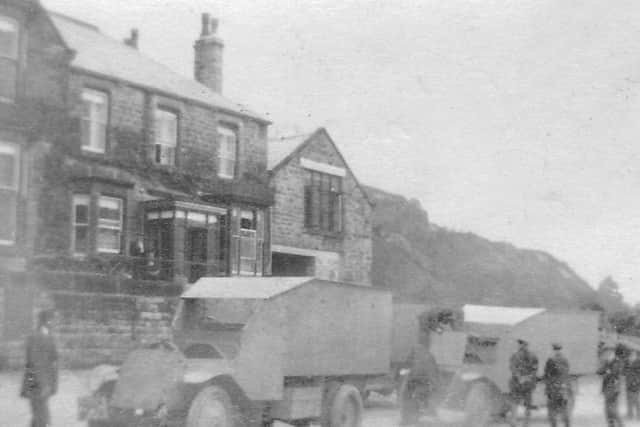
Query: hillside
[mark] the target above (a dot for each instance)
(421, 261)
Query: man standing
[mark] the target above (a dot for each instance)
(611, 369)
(557, 386)
(632, 381)
(420, 382)
(524, 369)
(41, 371)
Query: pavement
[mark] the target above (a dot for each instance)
(380, 411)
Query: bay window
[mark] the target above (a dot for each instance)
(166, 137)
(101, 217)
(9, 182)
(109, 234)
(80, 229)
(9, 58)
(95, 113)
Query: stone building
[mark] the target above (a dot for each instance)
(118, 176)
(321, 217)
(123, 181)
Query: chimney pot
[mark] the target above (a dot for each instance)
(133, 39)
(205, 25)
(208, 55)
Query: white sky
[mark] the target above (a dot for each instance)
(514, 120)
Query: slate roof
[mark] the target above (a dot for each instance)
(280, 148)
(100, 54)
(243, 287)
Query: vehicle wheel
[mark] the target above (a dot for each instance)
(477, 406)
(212, 407)
(344, 409)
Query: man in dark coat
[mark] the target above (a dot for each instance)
(41, 371)
(420, 382)
(611, 369)
(632, 381)
(524, 370)
(557, 386)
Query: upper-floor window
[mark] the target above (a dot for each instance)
(95, 114)
(323, 202)
(9, 54)
(166, 137)
(227, 152)
(9, 180)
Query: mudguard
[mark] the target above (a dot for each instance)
(148, 378)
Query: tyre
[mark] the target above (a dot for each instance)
(212, 407)
(344, 407)
(478, 405)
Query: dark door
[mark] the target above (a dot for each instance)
(196, 253)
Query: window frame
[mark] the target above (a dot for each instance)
(13, 149)
(100, 225)
(12, 58)
(225, 132)
(74, 223)
(158, 142)
(324, 203)
(94, 119)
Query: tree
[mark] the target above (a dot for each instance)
(609, 296)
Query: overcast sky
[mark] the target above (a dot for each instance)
(518, 121)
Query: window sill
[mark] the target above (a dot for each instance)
(325, 233)
(92, 151)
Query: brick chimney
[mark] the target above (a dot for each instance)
(208, 55)
(133, 39)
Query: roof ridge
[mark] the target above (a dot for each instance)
(197, 86)
(285, 137)
(76, 21)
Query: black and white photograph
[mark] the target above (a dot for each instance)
(319, 213)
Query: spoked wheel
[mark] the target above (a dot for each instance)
(345, 407)
(212, 407)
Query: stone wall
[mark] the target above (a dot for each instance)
(96, 328)
(131, 113)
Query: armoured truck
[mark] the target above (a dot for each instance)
(250, 351)
(478, 392)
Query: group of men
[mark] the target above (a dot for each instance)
(615, 364)
(524, 376)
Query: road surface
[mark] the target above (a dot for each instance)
(380, 412)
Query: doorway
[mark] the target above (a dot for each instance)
(196, 253)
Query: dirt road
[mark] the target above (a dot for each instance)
(381, 412)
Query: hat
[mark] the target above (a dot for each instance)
(522, 341)
(556, 346)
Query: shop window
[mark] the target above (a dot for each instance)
(9, 181)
